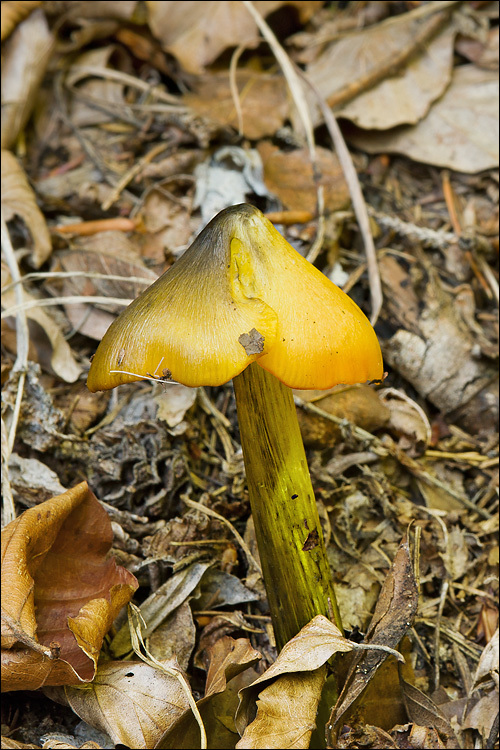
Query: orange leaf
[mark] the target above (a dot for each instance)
(60, 592)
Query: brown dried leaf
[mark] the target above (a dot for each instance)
(130, 701)
(488, 663)
(286, 712)
(309, 650)
(52, 350)
(407, 419)
(108, 253)
(24, 62)
(263, 100)
(9, 744)
(18, 199)
(423, 712)
(197, 32)
(229, 660)
(394, 613)
(441, 363)
(61, 594)
(360, 404)
(460, 131)
(402, 98)
(290, 176)
(13, 12)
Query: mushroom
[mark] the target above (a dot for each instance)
(241, 303)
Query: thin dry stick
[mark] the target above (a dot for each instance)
(442, 599)
(142, 652)
(358, 201)
(76, 274)
(209, 512)
(8, 507)
(234, 86)
(132, 172)
(290, 74)
(298, 96)
(64, 301)
(22, 331)
(394, 63)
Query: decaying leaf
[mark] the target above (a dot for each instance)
(18, 199)
(441, 364)
(360, 404)
(25, 57)
(108, 254)
(228, 661)
(60, 593)
(286, 712)
(290, 176)
(161, 603)
(306, 653)
(460, 131)
(424, 712)
(262, 98)
(15, 11)
(130, 701)
(394, 613)
(402, 98)
(197, 32)
(52, 350)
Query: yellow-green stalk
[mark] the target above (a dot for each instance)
(287, 526)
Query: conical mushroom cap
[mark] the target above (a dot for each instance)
(240, 293)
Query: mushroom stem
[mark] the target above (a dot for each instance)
(290, 540)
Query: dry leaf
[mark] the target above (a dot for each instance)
(156, 608)
(394, 613)
(197, 32)
(130, 701)
(290, 176)
(228, 659)
(286, 712)
(52, 350)
(15, 11)
(263, 100)
(488, 663)
(308, 651)
(440, 362)
(399, 99)
(18, 199)
(107, 253)
(407, 419)
(25, 57)
(424, 712)
(460, 131)
(360, 404)
(61, 594)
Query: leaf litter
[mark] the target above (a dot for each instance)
(117, 124)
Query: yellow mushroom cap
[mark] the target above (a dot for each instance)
(240, 293)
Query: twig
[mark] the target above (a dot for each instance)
(64, 301)
(357, 198)
(442, 599)
(22, 331)
(131, 173)
(392, 65)
(316, 246)
(8, 507)
(209, 512)
(142, 652)
(291, 76)
(428, 237)
(234, 86)
(76, 274)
